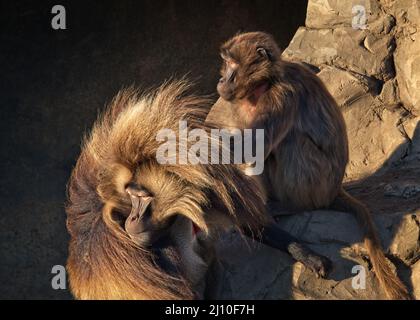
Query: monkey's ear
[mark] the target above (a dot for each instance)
(264, 53)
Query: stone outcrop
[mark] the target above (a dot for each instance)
(253, 271)
(368, 56)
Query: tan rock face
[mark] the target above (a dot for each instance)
(389, 94)
(254, 271)
(343, 47)
(407, 53)
(373, 72)
(374, 136)
(333, 13)
(347, 87)
(411, 127)
(404, 10)
(407, 63)
(373, 139)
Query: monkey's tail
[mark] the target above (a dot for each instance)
(389, 281)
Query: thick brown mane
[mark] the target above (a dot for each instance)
(103, 263)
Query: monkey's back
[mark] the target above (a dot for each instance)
(307, 168)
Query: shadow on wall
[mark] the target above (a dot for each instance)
(388, 191)
(400, 169)
(56, 81)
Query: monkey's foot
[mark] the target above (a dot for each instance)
(316, 263)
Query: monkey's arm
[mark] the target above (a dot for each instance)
(276, 125)
(275, 237)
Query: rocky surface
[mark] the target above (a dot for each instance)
(371, 66)
(254, 271)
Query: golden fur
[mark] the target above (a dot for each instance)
(103, 262)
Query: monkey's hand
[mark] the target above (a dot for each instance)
(273, 236)
(319, 264)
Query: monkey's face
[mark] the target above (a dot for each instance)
(247, 67)
(146, 201)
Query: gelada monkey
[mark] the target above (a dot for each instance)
(306, 148)
(142, 229)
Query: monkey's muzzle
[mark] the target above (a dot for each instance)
(138, 221)
(226, 85)
(225, 90)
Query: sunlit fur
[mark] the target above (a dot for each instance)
(306, 147)
(104, 263)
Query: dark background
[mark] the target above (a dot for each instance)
(53, 83)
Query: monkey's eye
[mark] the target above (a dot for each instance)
(263, 53)
(224, 55)
(119, 217)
